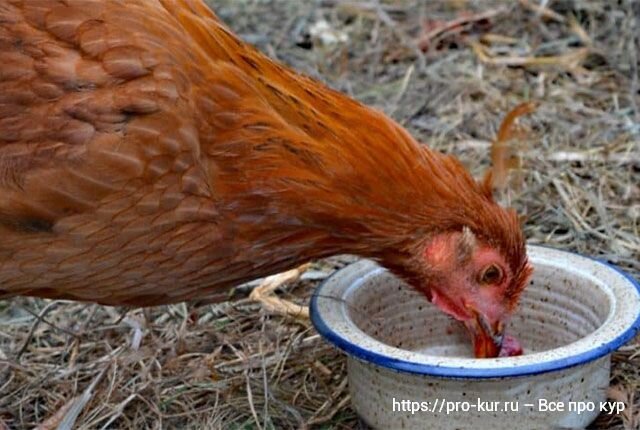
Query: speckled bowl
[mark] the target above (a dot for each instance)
(401, 349)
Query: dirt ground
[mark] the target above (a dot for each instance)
(448, 71)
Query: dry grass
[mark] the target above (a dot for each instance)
(236, 365)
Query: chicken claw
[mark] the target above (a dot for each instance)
(263, 293)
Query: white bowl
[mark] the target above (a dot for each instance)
(573, 315)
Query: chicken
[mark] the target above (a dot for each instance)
(148, 156)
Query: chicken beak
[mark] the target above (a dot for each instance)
(487, 341)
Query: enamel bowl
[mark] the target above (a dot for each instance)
(409, 365)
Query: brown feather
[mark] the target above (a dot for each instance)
(149, 156)
(502, 156)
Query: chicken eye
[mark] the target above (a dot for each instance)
(491, 275)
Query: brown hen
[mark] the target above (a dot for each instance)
(149, 156)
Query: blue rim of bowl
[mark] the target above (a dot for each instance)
(405, 366)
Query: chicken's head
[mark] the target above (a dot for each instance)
(475, 283)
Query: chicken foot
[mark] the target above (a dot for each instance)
(264, 293)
